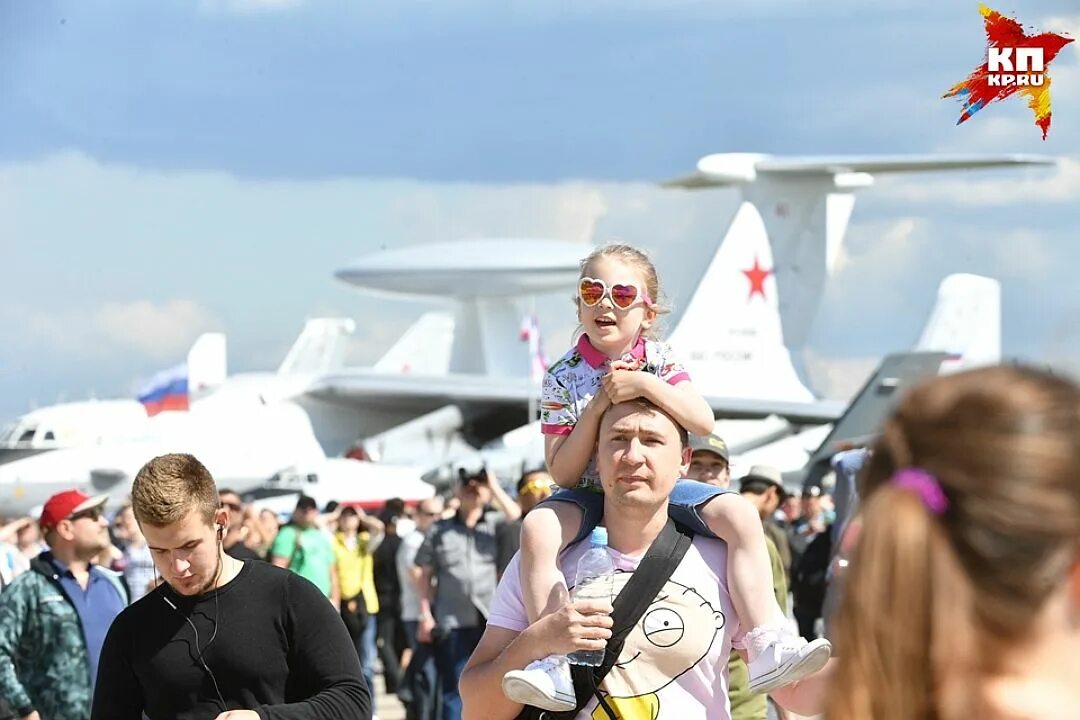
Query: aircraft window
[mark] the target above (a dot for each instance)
(49, 435)
(27, 436)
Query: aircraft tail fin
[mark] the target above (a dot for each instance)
(423, 349)
(207, 363)
(805, 204)
(320, 347)
(965, 322)
(730, 332)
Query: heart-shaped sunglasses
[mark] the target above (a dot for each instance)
(622, 295)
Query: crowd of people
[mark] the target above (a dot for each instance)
(369, 566)
(961, 526)
(424, 605)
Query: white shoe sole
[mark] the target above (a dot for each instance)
(522, 691)
(811, 658)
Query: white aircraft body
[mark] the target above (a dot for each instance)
(246, 429)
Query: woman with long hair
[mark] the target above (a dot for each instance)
(963, 597)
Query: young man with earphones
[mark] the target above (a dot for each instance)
(220, 638)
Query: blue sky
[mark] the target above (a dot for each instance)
(177, 166)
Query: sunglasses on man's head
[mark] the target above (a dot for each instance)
(622, 295)
(93, 513)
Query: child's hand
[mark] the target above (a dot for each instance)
(621, 364)
(601, 401)
(623, 385)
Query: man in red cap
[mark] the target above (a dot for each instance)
(53, 619)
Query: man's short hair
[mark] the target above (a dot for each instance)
(306, 502)
(642, 403)
(169, 487)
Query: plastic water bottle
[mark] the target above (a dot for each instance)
(595, 581)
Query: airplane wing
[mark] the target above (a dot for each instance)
(726, 169)
(894, 163)
(421, 391)
(426, 393)
(817, 411)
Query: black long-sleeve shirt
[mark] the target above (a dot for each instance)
(280, 649)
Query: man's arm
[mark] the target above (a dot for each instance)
(284, 547)
(9, 531)
(422, 574)
(326, 663)
(421, 577)
(117, 693)
(584, 625)
(335, 586)
(500, 650)
(504, 502)
(15, 602)
(376, 530)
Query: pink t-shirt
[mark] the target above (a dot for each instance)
(674, 663)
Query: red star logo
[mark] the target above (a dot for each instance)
(756, 275)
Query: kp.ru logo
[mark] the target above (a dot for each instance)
(1015, 62)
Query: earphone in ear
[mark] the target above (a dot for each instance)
(220, 531)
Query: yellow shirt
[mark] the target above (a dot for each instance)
(356, 570)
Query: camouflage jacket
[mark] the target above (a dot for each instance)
(43, 661)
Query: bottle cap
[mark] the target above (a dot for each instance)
(598, 537)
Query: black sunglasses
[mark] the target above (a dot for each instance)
(93, 513)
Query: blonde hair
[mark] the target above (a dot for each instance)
(169, 487)
(934, 603)
(638, 259)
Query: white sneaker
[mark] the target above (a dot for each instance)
(786, 661)
(545, 684)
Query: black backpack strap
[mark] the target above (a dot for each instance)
(654, 570)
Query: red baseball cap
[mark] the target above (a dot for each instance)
(63, 505)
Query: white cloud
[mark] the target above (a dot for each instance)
(1060, 185)
(159, 332)
(1064, 25)
(876, 253)
(1021, 254)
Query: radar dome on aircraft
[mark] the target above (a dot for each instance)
(470, 268)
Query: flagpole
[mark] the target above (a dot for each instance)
(534, 382)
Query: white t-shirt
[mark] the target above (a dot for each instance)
(674, 663)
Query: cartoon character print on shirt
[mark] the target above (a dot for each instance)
(673, 635)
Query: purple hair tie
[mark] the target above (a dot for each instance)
(925, 485)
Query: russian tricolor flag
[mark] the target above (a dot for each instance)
(167, 390)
